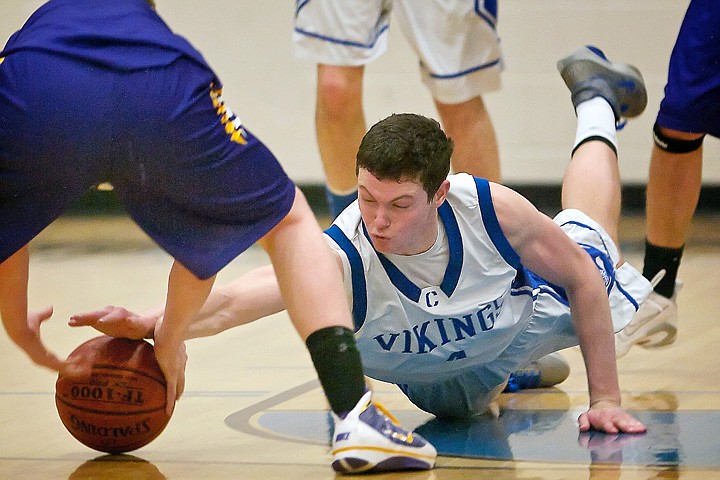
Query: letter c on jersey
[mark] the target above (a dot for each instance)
(429, 299)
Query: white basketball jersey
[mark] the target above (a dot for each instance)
(408, 334)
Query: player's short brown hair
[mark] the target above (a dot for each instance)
(407, 146)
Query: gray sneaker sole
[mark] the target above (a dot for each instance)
(625, 84)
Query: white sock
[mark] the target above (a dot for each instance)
(595, 118)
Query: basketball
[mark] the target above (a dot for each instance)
(117, 403)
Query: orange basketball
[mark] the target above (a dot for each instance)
(117, 404)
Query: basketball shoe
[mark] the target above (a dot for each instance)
(588, 73)
(545, 372)
(655, 323)
(369, 440)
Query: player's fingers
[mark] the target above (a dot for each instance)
(116, 318)
(46, 313)
(607, 426)
(171, 397)
(35, 319)
(631, 425)
(583, 422)
(88, 318)
(117, 313)
(182, 358)
(180, 386)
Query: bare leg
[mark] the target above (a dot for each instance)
(472, 131)
(672, 193)
(602, 92)
(311, 287)
(339, 123)
(309, 277)
(592, 185)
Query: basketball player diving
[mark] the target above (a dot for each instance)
(455, 282)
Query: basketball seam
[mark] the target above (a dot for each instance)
(106, 412)
(161, 381)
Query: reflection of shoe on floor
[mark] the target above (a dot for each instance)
(542, 373)
(588, 74)
(370, 440)
(654, 324)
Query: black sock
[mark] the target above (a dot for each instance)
(338, 365)
(659, 258)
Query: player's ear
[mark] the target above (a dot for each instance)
(441, 193)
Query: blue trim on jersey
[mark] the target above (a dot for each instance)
(526, 277)
(454, 266)
(608, 269)
(559, 296)
(555, 291)
(492, 225)
(606, 261)
(488, 11)
(629, 297)
(299, 5)
(343, 42)
(523, 285)
(397, 278)
(401, 282)
(588, 227)
(465, 72)
(455, 247)
(357, 274)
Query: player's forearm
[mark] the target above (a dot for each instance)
(593, 326)
(186, 296)
(13, 295)
(250, 297)
(603, 383)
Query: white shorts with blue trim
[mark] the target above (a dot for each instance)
(455, 40)
(550, 329)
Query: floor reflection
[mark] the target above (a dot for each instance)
(117, 467)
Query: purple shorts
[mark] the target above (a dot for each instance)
(204, 188)
(692, 93)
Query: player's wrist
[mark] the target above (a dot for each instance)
(609, 401)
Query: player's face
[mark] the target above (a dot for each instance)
(398, 216)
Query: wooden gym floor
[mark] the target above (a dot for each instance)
(253, 409)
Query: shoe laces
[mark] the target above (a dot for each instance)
(395, 430)
(385, 412)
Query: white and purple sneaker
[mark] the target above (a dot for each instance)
(370, 440)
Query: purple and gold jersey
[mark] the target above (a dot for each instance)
(123, 35)
(98, 91)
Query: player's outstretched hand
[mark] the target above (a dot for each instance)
(116, 322)
(609, 418)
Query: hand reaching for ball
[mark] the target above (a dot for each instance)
(117, 322)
